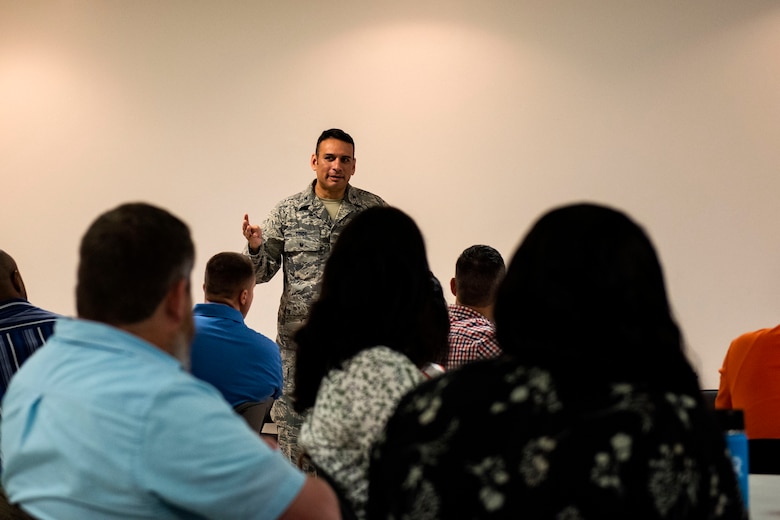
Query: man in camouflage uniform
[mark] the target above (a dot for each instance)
(298, 236)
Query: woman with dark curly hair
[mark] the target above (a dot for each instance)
(593, 412)
(380, 317)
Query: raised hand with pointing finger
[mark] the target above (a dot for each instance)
(252, 233)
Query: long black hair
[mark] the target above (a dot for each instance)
(584, 296)
(377, 289)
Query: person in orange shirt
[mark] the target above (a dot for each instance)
(750, 381)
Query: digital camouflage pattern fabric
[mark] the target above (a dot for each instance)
(298, 236)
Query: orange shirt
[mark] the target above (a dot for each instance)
(750, 381)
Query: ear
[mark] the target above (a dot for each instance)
(243, 296)
(313, 161)
(453, 287)
(178, 301)
(18, 283)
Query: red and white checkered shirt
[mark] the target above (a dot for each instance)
(472, 337)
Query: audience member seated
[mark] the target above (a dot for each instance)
(105, 423)
(750, 381)
(381, 316)
(478, 271)
(242, 364)
(23, 326)
(593, 411)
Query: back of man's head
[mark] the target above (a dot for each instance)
(478, 271)
(11, 285)
(227, 274)
(129, 258)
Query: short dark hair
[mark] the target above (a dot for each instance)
(227, 274)
(129, 258)
(334, 133)
(478, 271)
(375, 292)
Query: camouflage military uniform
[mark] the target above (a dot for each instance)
(297, 237)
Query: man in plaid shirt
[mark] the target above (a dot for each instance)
(478, 272)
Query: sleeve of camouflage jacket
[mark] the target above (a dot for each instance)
(268, 258)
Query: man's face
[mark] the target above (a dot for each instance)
(334, 164)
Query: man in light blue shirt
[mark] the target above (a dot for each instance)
(105, 423)
(242, 364)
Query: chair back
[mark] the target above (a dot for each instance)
(764, 456)
(255, 412)
(709, 398)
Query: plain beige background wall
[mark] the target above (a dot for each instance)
(474, 117)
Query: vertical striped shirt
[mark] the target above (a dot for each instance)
(23, 329)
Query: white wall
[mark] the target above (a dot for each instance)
(474, 117)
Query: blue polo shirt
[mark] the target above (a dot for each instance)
(242, 364)
(102, 425)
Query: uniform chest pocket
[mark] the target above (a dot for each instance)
(304, 258)
(301, 245)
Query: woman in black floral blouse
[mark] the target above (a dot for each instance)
(593, 412)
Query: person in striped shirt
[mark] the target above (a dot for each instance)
(23, 327)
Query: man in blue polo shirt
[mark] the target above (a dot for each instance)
(105, 422)
(242, 364)
(23, 326)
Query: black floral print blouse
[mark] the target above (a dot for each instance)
(495, 440)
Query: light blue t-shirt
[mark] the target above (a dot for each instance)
(102, 425)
